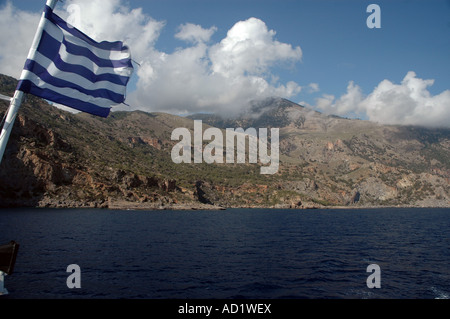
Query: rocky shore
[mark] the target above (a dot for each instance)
(63, 160)
(126, 205)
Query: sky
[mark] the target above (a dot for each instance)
(217, 55)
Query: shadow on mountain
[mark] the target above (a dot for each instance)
(19, 186)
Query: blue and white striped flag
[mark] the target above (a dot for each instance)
(70, 68)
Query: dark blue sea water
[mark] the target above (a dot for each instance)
(238, 253)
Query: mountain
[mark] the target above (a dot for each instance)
(58, 159)
(346, 160)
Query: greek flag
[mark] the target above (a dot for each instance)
(72, 69)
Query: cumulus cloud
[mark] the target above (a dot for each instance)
(313, 88)
(217, 77)
(101, 20)
(14, 48)
(407, 103)
(111, 20)
(194, 33)
(347, 103)
(250, 47)
(221, 77)
(202, 76)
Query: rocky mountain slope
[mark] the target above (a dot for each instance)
(58, 159)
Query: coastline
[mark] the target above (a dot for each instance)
(193, 206)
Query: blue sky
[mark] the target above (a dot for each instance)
(344, 60)
(337, 45)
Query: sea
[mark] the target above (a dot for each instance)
(229, 254)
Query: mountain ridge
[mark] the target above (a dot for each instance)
(58, 159)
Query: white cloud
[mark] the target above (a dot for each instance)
(349, 102)
(407, 103)
(250, 48)
(15, 46)
(110, 20)
(101, 20)
(194, 33)
(221, 77)
(202, 76)
(189, 80)
(313, 88)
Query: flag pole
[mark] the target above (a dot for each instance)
(16, 101)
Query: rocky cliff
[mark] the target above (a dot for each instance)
(59, 159)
